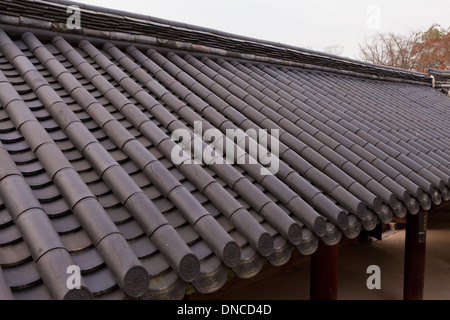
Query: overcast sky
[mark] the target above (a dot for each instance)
(313, 24)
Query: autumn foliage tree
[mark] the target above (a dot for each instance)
(417, 51)
(432, 50)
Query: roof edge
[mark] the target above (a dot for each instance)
(180, 36)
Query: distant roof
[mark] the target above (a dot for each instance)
(441, 79)
(88, 178)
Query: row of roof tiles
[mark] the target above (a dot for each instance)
(86, 135)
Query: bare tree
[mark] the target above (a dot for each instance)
(390, 50)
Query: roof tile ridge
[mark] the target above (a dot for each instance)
(78, 194)
(353, 204)
(284, 171)
(356, 186)
(225, 247)
(277, 188)
(289, 86)
(231, 172)
(45, 244)
(182, 260)
(331, 154)
(427, 180)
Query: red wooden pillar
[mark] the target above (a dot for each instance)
(415, 244)
(324, 273)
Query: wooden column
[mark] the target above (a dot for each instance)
(414, 268)
(324, 273)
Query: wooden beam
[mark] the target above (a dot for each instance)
(324, 273)
(415, 245)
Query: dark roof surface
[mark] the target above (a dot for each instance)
(87, 178)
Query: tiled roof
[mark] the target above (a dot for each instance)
(87, 177)
(441, 79)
